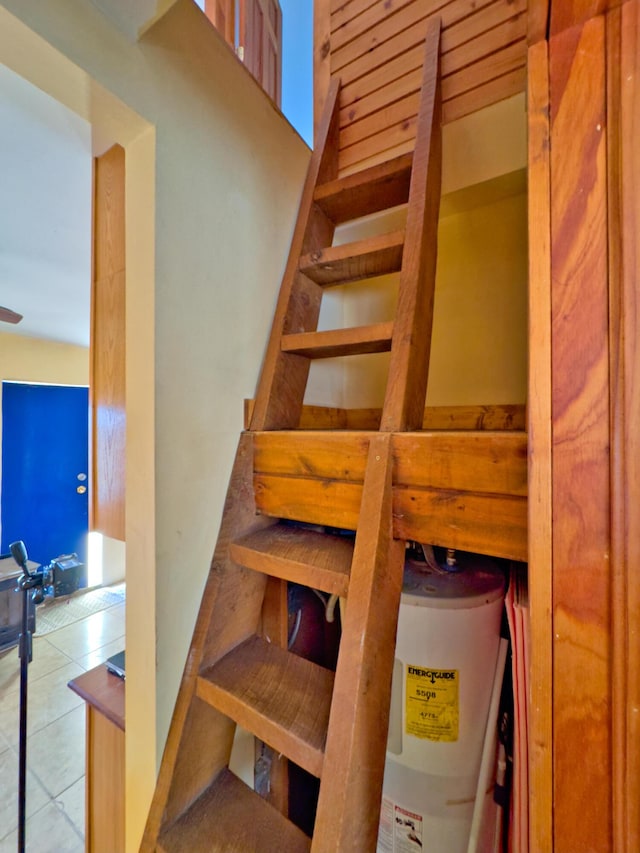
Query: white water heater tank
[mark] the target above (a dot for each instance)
(446, 653)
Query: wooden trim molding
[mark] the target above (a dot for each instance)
(107, 359)
(540, 453)
(581, 538)
(623, 103)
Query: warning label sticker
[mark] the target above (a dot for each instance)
(432, 704)
(400, 829)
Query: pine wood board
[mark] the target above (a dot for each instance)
(469, 490)
(335, 343)
(406, 389)
(377, 51)
(499, 417)
(391, 103)
(280, 697)
(502, 87)
(407, 25)
(540, 453)
(354, 261)
(369, 191)
(381, 45)
(317, 560)
(485, 524)
(360, 710)
(230, 818)
(408, 63)
(342, 11)
(479, 462)
(492, 462)
(400, 136)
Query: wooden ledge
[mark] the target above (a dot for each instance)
(499, 417)
(103, 691)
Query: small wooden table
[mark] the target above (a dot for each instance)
(104, 798)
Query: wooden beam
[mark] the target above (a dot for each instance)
(623, 109)
(409, 363)
(501, 417)
(540, 454)
(360, 707)
(580, 465)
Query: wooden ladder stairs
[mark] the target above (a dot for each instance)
(238, 670)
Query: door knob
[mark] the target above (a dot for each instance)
(81, 490)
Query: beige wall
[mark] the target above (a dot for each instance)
(25, 359)
(479, 344)
(213, 179)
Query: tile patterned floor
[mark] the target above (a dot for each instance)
(56, 732)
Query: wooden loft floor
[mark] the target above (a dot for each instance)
(460, 483)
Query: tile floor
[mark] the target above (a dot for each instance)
(56, 733)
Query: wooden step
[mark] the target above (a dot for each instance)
(354, 261)
(368, 191)
(318, 560)
(230, 817)
(280, 697)
(337, 342)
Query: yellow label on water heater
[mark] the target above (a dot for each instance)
(432, 703)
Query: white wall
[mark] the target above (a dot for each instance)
(213, 179)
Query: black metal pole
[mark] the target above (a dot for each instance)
(25, 657)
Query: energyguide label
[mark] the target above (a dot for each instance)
(432, 703)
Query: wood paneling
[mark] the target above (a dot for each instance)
(377, 50)
(540, 453)
(623, 72)
(580, 465)
(108, 319)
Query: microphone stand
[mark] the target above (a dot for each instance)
(31, 585)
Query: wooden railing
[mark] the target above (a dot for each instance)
(253, 28)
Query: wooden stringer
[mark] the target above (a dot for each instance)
(239, 671)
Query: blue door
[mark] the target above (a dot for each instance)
(45, 458)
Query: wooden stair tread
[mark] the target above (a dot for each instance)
(231, 818)
(338, 342)
(318, 560)
(280, 697)
(368, 191)
(354, 261)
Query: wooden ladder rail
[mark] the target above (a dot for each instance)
(198, 804)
